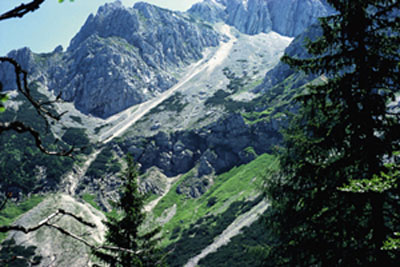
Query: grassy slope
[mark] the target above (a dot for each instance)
(239, 184)
(12, 211)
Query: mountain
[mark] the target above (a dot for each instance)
(121, 57)
(282, 71)
(197, 97)
(125, 56)
(286, 17)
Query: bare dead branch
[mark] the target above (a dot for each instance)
(8, 196)
(23, 88)
(40, 107)
(20, 127)
(23, 9)
(80, 239)
(45, 222)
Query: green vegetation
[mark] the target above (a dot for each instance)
(13, 210)
(236, 85)
(245, 249)
(255, 117)
(123, 231)
(239, 184)
(77, 137)
(103, 164)
(335, 180)
(202, 233)
(3, 99)
(91, 199)
(20, 158)
(221, 98)
(173, 103)
(150, 197)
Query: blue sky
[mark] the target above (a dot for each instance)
(54, 24)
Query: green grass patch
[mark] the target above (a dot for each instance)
(150, 197)
(254, 117)
(239, 184)
(13, 210)
(249, 86)
(104, 163)
(90, 199)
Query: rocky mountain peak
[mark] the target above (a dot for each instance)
(109, 7)
(286, 17)
(121, 57)
(292, 17)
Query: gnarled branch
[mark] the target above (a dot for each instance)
(40, 107)
(22, 10)
(20, 127)
(45, 222)
(23, 88)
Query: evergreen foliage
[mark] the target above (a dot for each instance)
(26, 255)
(345, 131)
(20, 157)
(123, 230)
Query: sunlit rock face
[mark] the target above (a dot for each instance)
(120, 57)
(286, 17)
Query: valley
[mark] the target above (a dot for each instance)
(198, 98)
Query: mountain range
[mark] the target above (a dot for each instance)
(197, 97)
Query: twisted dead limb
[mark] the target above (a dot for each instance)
(47, 223)
(22, 10)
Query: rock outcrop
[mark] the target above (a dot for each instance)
(282, 71)
(55, 248)
(286, 17)
(120, 57)
(214, 149)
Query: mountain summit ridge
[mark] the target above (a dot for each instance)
(286, 17)
(120, 57)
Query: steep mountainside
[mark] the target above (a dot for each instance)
(199, 99)
(286, 17)
(121, 57)
(282, 71)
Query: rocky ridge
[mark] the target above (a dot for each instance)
(286, 17)
(121, 57)
(213, 149)
(283, 71)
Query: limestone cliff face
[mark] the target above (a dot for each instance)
(286, 17)
(215, 148)
(120, 57)
(292, 17)
(282, 71)
(249, 17)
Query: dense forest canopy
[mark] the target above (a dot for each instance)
(345, 134)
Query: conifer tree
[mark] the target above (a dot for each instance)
(134, 249)
(345, 131)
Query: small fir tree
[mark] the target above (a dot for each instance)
(135, 249)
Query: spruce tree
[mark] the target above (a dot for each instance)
(135, 249)
(343, 132)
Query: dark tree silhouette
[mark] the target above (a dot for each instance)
(345, 131)
(123, 230)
